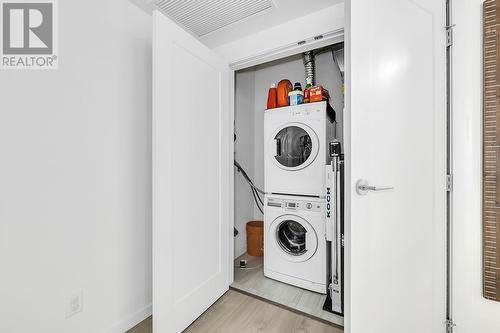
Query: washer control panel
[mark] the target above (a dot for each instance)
(295, 205)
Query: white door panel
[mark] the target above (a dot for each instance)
(396, 115)
(190, 178)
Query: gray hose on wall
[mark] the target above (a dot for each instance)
(309, 65)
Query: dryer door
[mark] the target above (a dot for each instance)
(294, 146)
(294, 238)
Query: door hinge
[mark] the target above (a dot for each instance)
(449, 183)
(450, 325)
(449, 35)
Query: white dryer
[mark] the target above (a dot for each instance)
(296, 141)
(294, 241)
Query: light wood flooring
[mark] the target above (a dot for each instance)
(236, 312)
(145, 326)
(253, 281)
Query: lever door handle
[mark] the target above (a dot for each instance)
(362, 187)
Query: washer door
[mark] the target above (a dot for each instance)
(294, 146)
(294, 238)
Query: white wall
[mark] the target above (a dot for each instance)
(75, 179)
(244, 153)
(284, 34)
(472, 312)
(252, 86)
(284, 11)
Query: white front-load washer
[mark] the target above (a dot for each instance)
(296, 149)
(295, 249)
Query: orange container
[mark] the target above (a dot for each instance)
(255, 238)
(272, 98)
(284, 87)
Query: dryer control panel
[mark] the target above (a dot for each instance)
(307, 110)
(295, 205)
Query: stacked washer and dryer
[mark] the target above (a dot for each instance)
(302, 215)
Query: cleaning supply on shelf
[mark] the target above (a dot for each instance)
(284, 87)
(318, 94)
(297, 86)
(307, 89)
(272, 100)
(296, 97)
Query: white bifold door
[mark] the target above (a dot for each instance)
(191, 168)
(396, 115)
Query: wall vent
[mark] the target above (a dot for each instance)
(205, 16)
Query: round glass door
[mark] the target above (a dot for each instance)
(295, 147)
(291, 237)
(294, 238)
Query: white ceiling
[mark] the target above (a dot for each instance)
(217, 22)
(284, 10)
(205, 16)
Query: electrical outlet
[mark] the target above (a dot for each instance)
(75, 304)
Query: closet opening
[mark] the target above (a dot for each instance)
(288, 182)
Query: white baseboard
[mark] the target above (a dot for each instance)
(240, 251)
(131, 321)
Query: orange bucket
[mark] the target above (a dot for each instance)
(255, 238)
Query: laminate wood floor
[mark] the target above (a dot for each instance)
(253, 281)
(145, 326)
(236, 312)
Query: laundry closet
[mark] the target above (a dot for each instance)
(384, 148)
(299, 269)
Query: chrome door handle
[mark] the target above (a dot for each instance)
(362, 187)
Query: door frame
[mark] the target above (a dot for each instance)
(450, 324)
(285, 50)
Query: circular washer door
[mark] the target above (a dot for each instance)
(294, 146)
(294, 238)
